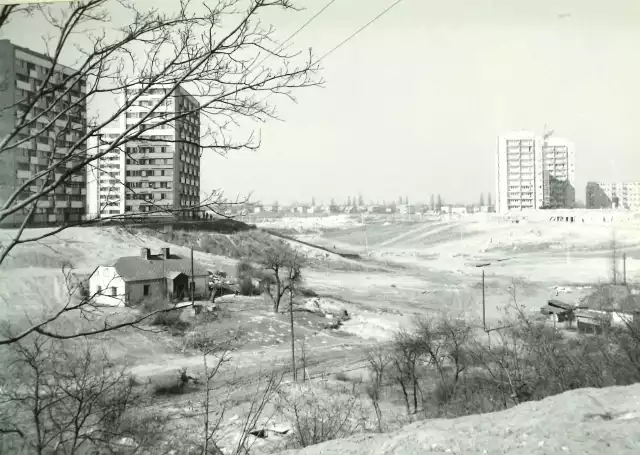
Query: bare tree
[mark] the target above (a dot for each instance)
(285, 266)
(220, 53)
(405, 360)
(378, 359)
(215, 354)
(65, 399)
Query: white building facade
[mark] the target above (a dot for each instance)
(105, 177)
(160, 170)
(626, 193)
(534, 173)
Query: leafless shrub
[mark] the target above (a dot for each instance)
(526, 359)
(213, 411)
(379, 360)
(285, 268)
(59, 398)
(247, 287)
(406, 356)
(171, 320)
(171, 383)
(321, 417)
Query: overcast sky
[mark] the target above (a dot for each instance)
(412, 106)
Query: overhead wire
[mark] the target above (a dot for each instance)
(357, 32)
(346, 40)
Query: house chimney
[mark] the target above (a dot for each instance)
(165, 253)
(145, 253)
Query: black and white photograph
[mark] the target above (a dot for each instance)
(305, 227)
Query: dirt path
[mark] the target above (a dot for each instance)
(427, 227)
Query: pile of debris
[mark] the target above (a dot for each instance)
(336, 320)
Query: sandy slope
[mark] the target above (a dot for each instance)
(574, 422)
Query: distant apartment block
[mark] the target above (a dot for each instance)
(613, 195)
(160, 172)
(60, 123)
(534, 173)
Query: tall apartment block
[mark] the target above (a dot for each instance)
(534, 172)
(22, 71)
(559, 173)
(624, 195)
(105, 176)
(160, 172)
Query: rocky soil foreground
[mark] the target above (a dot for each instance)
(585, 421)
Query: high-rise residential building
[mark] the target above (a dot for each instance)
(59, 122)
(161, 171)
(518, 187)
(558, 161)
(624, 195)
(105, 176)
(534, 172)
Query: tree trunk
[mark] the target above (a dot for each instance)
(406, 396)
(276, 299)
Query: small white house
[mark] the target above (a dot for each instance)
(132, 279)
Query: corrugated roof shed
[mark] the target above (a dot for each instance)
(560, 304)
(548, 309)
(135, 268)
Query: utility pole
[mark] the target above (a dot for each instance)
(164, 278)
(484, 312)
(624, 268)
(193, 284)
(293, 339)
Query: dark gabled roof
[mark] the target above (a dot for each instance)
(549, 309)
(135, 268)
(560, 304)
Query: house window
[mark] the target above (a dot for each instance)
(114, 291)
(146, 289)
(99, 289)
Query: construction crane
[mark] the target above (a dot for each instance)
(546, 134)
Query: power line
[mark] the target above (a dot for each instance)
(308, 22)
(353, 35)
(349, 38)
(279, 48)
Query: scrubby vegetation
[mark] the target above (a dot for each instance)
(444, 368)
(248, 245)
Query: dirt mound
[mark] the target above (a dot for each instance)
(585, 421)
